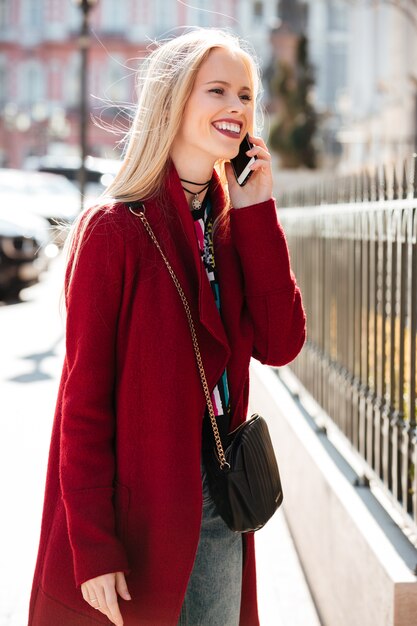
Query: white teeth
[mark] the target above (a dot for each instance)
(234, 128)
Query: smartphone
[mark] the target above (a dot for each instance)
(241, 163)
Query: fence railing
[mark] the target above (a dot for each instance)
(353, 246)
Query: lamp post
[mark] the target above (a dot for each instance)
(83, 43)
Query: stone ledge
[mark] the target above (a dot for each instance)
(356, 574)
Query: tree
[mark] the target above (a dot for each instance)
(292, 132)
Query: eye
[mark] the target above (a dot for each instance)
(246, 97)
(217, 90)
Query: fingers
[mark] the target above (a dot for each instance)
(90, 595)
(102, 603)
(95, 596)
(259, 149)
(230, 175)
(112, 606)
(121, 586)
(258, 142)
(261, 164)
(100, 593)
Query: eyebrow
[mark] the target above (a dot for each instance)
(224, 82)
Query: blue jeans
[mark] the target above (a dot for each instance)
(214, 588)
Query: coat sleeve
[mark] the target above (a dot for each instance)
(271, 292)
(87, 452)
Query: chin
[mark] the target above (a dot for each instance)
(227, 155)
(225, 152)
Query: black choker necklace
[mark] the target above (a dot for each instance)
(184, 180)
(195, 204)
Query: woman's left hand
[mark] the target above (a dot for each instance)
(259, 186)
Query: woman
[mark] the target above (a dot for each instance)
(125, 511)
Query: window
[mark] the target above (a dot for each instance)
(74, 17)
(56, 77)
(337, 71)
(3, 81)
(203, 13)
(56, 10)
(115, 81)
(32, 13)
(164, 18)
(5, 6)
(32, 83)
(338, 17)
(114, 16)
(72, 81)
(258, 10)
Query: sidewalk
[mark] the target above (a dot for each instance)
(283, 595)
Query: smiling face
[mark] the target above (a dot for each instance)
(219, 111)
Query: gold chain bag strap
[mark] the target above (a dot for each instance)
(244, 481)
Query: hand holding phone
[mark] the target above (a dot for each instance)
(238, 173)
(241, 162)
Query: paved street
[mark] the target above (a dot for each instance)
(32, 344)
(31, 340)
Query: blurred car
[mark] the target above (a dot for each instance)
(25, 249)
(99, 172)
(50, 196)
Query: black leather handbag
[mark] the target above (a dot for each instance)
(247, 487)
(243, 474)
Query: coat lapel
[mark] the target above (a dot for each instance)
(185, 241)
(183, 253)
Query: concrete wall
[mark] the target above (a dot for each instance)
(355, 572)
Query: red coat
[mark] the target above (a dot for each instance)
(125, 494)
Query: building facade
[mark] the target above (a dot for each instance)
(40, 64)
(365, 57)
(380, 108)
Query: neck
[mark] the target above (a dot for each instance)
(194, 168)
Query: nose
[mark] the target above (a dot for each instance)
(235, 105)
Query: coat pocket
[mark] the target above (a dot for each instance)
(59, 602)
(121, 506)
(50, 612)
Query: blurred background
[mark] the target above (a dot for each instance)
(347, 65)
(338, 75)
(339, 78)
(340, 118)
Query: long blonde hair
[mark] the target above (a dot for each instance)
(164, 81)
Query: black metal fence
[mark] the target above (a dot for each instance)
(354, 252)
